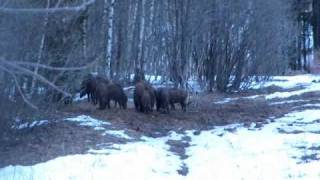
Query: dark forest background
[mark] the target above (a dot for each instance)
(48, 46)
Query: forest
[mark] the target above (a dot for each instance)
(48, 46)
(199, 89)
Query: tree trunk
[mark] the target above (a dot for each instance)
(109, 38)
(135, 34)
(84, 35)
(43, 36)
(141, 36)
(316, 23)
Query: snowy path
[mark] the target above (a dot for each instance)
(284, 148)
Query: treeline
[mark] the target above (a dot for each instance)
(48, 46)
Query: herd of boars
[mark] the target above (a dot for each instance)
(101, 91)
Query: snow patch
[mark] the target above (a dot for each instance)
(311, 88)
(226, 100)
(78, 98)
(84, 120)
(288, 82)
(256, 154)
(311, 105)
(29, 124)
(309, 83)
(117, 133)
(288, 102)
(96, 124)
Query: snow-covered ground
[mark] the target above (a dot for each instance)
(308, 83)
(274, 151)
(284, 148)
(304, 83)
(289, 81)
(266, 153)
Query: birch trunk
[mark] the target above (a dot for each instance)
(134, 38)
(109, 37)
(84, 35)
(43, 36)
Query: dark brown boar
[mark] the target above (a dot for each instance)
(142, 88)
(111, 91)
(100, 95)
(162, 99)
(146, 102)
(116, 93)
(89, 87)
(178, 96)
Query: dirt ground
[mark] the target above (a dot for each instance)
(42, 143)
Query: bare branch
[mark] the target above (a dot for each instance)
(25, 99)
(39, 77)
(52, 67)
(81, 7)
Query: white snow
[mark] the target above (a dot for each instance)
(315, 87)
(309, 83)
(78, 98)
(226, 100)
(306, 83)
(117, 133)
(288, 82)
(154, 79)
(84, 120)
(311, 105)
(99, 125)
(288, 102)
(29, 124)
(256, 154)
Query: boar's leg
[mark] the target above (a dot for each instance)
(102, 104)
(183, 106)
(172, 106)
(108, 103)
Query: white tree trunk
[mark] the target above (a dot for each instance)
(84, 36)
(43, 36)
(109, 36)
(151, 17)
